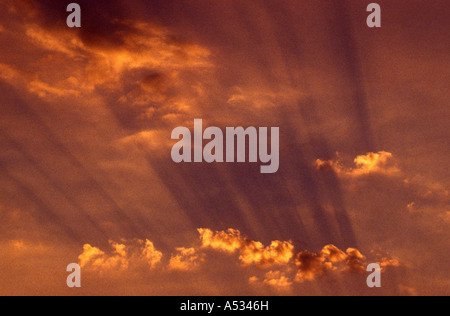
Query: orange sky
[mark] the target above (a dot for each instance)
(86, 175)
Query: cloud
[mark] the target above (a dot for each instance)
(390, 262)
(354, 261)
(44, 90)
(141, 74)
(90, 255)
(251, 252)
(7, 72)
(310, 265)
(273, 268)
(371, 163)
(330, 258)
(278, 253)
(95, 259)
(262, 97)
(229, 240)
(374, 163)
(146, 47)
(277, 279)
(407, 291)
(18, 245)
(427, 189)
(185, 259)
(446, 217)
(333, 254)
(122, 255)
(152, 256)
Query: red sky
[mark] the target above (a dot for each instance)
(86, 175)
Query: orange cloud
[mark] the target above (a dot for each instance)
(374, 163)
(229, 241)
(144, 46)
(121, 256)
(305, 266)
(18, 245)
(330, 258)
(263, 97)
(354, 261)
(95, 259)
(186, 259)
(386, 262)
(253, 280)
(75, 69)
(44, 90)
(310, 265)
(152, 256)
(8, 73)
(333, 254)
(278, 253)
(371, 163)
(407, 291)
(277, 279)
(446, 217)
(251, 252)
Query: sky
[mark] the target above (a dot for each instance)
(86, 116)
